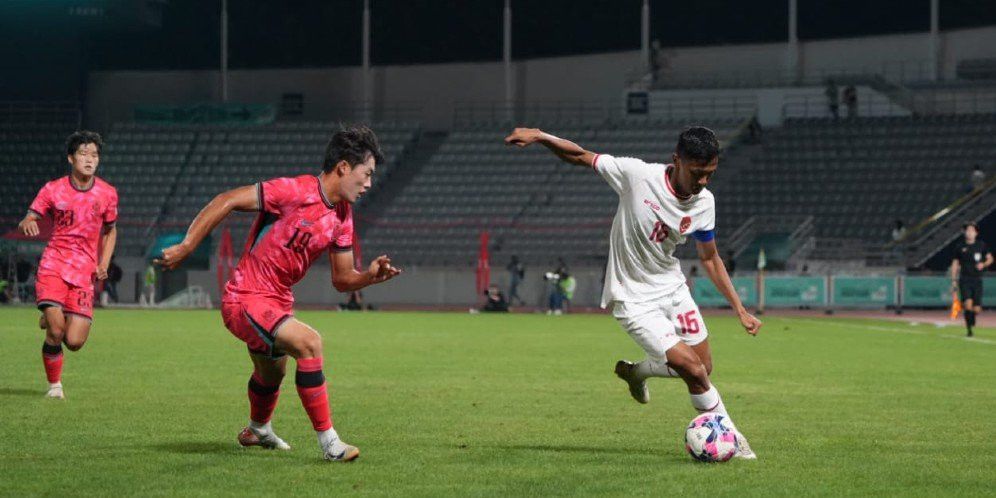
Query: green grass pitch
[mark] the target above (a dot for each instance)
(451, 404)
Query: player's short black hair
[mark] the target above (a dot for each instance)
(353, 144)
(698, 144)
(82, 137)
(970, 224)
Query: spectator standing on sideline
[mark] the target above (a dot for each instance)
(149, 287)
(114, 275)
(833, 99)
(851, 101)
(516, 272)
(731, 263)
(24, 269)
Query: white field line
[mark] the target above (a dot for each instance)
(890, 329)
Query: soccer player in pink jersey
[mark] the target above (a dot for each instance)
(84, 209)
(299, 219)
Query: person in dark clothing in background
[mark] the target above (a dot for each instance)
(114, 275)
(24, 269)
(496, 300)
(731, 263)
(516, 272)
(971, 258)
(851, 101)
(833, 99)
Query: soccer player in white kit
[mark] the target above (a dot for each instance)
(659, 206)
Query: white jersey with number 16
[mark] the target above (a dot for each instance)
(649, 223)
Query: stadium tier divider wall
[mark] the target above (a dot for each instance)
(455, 287)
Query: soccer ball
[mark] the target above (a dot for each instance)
(710, 438)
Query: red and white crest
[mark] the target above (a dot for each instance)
(686, 223)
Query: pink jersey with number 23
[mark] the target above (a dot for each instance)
(79, 219)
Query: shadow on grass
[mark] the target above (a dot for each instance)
(10, 391)
(594, 450)
(197, 447)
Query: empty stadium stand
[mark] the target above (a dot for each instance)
(856, 177)
(32, 145)
(166, 174)
(849, 179)
(533, 205)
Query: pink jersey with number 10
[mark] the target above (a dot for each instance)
(296, 224)
(79, 218)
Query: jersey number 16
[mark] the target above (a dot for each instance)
(660, 232)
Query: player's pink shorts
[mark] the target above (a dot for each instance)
(255, 321)
(52, 290)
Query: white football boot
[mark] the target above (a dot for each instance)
(268, 440)
(637, 387)
(743, 448)
(338, 451)
(55, 392)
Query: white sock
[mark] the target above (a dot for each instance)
(325, 438)
(652, 368)
(710, 401)
(260, 429)
(54, 385)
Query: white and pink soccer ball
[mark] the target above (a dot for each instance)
(710, 438)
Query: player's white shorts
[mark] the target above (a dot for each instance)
(658, 325)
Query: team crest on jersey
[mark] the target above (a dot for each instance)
(95, 209)
(686, 223)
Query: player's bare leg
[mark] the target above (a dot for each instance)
(52, 356)
(305, 345)
(264, 390)
(705, 398)
(77, 331)
(635, 374)
(704, 352)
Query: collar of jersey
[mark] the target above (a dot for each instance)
(667, 183)
(322, 193)
(69, 178)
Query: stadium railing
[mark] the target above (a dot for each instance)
(816, 106)
(900, 71)
(288, 114)
(936, 231)
(937, 102)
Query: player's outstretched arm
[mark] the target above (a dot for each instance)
(239, 199)
(345, 278)
(107, 244)
(714, 267)
(29, 225)
(566, 150)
